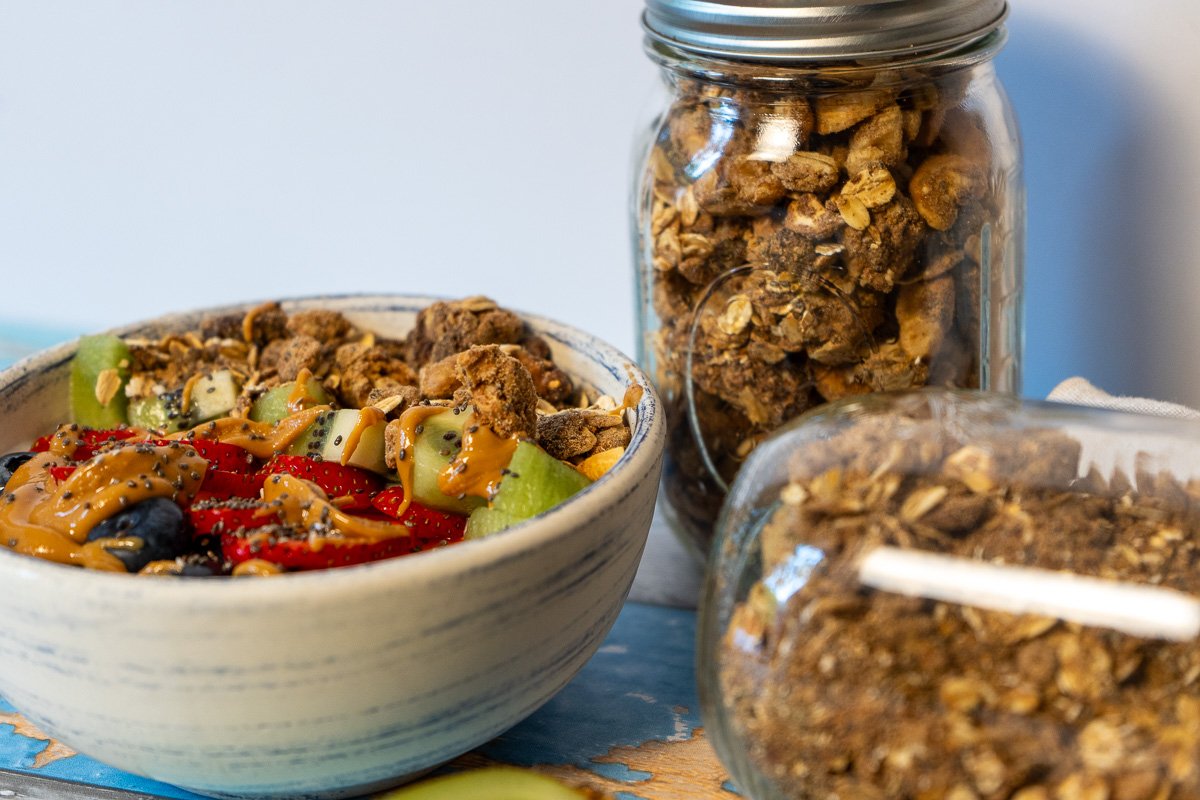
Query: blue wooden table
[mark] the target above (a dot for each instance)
(628, 724)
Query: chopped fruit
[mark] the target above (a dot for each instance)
(347, 487)
(218, 516)
(535, 481)
(224, 484)
(438, 441)
(492, 783)
(273, 405)
(485, 521)
(82, 443)
(99, 372)
(596, 465)
(295, 550)
(333, 431)
(424, 522)
(219, 455)
(152, 530)
(206, 397)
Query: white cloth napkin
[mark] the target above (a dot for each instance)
(1082, 392)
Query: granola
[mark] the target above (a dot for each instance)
(840, 690)
(809, 243)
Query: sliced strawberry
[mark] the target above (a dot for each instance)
(225, 484)
(90, 440)
(425, 523)
(219, 455)
(218, 516)
(61, 472)
(298, 554)
(350, 487)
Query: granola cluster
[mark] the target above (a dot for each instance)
(842, 691)
(468, 351)
(807, 244)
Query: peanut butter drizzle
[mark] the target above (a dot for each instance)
(51, 519)
(366, 418)
(303, 504)
(410, 420)
(263, 439)
(479, 467)
(248, 320)
(185, 396)
(297, 398)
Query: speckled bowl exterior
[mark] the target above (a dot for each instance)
(326, 684)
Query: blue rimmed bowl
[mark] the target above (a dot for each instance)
(326, 684)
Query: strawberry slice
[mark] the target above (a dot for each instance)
(225, 484)
(212, 516)
(90, 440)
(298, 554)
(425, 523)
(61, 472)
(219, 455)
(348, 487)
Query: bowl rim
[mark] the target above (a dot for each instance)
(432, 566)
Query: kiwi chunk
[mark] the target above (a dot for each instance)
(492, 783)
(99, 372)
(272, 406)
(212, 396)
(486, 521)
(436, 445)
(329, 434)
(535, 482)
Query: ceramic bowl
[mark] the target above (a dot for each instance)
(325, 684)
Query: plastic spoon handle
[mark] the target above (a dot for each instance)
(1139, 610)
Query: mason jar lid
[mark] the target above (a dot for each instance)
(796, 30)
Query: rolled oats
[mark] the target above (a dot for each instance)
(838, 689)
(817, 239)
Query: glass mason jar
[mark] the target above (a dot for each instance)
(943, 594)
(830, 204)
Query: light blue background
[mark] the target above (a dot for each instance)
(156, 156)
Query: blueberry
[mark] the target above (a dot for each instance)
(9, 462)
(158, 522)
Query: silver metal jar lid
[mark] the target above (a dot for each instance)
(801, 30)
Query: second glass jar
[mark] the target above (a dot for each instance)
(809, 231)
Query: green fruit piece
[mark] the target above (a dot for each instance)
(536, 481)
(493, 783)
(436, 446)
(97, 356)
(213, 396)
(272, 406)
(327, 437)
(485, 521)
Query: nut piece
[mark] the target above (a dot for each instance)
(879, 140)
(942, 185)
(807, 172)
(107, 384)
(837, 112)
(925, 311)
(873, 186)
(809, 216)
(501, 390)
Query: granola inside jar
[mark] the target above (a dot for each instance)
(959, 596)
(830, 204)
